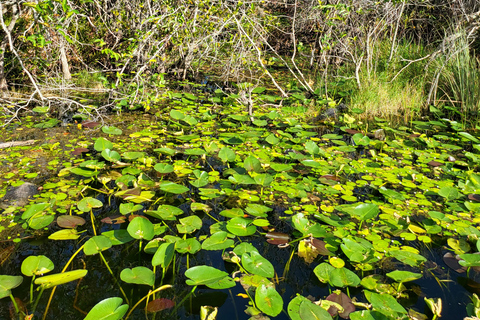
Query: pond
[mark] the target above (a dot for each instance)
(192, 206)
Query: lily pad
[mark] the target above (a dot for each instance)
(138, 275)
(108, 309)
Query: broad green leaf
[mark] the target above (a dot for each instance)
(65, 234)
(34, 209)
(209, 276)
(469, 260)
(384, 303)
(449, 193)
(240, 226)
(227, 154)
(190, 245)
(217, 241)
(254, 263)
(163, 168)
(309, 312)
(60, 278)
(403, 276)
(312, 147)
(7, 283)
(141, 228)
(102, 144)
(189, 224)
(342, 277)
(118, 237)
(360, 139)
(322, 271)
(252, 164)
(201, 179)
(126, 208)
(112, 130)
(268, 300)
(96, 244)
(88, 203)
(138, 275)
(177, 115)
(110, 155)
(36, 265)
(263, 179)
(41, 220)
(108, 309)
(257, 210)
(171, 187)
(410, 258)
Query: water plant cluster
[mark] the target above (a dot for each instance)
(173, 212)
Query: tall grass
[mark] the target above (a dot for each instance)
(389, 90)
(459, 80)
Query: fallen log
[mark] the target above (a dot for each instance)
(16, 144)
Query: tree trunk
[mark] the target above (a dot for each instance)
(4, 43)
(3, 78)
(63, 58)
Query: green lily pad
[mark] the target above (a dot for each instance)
(268, 300)
(112, 130)
(164, 255)
(141, 228)
(7, 283)
(96, 244)
(403, 276)
(163, 168)
(108, 309)
(217, 241)
(240, 226)
(201, 179)
(342, 277)
(189, 224)
(110, 155)
(36, 265)
(208, 276)
(60, 278)
(89, 203)
(300, 308)
(102, 144)
(190, 245)
(252, 164)
(171, 187)
(254, 263)
(138, 275)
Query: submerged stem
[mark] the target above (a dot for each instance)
(55, 288)
(115, 279)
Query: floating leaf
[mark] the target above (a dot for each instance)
(108, 309)
(36, 265)
(252, 164)
(60, 278)
(97, 244)
(189, 224)
(342, 277)
(138, 275)
(343, 300)
(65, 234)
(102, 144)
(209, 276)
(68, 221)
(7, 283)
(141, 228)
(88, 203)
(300, 308)
(159, 305)
(171, 187)
(449, 193)
(254, 263)
(403, 276)
(268, 300)
(217, 241)
(112, 130)
(164, 255)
